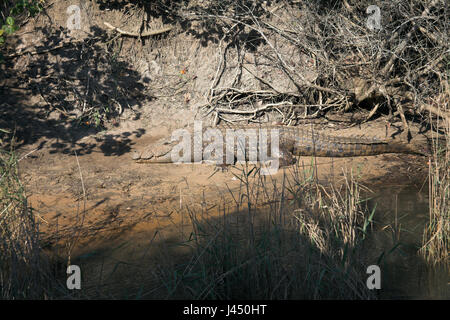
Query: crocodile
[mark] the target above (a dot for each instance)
(292, 141)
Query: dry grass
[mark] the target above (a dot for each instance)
(26, 272)
(436, 239)
(436, 244)
(21, 274)
(306, 243)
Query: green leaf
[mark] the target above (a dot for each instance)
(10, 21)
(7, 29)
(1, 32)
(2, 40)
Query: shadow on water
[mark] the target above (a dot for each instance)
(402, 214)
(211, 256)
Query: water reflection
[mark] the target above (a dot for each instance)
(402, 213)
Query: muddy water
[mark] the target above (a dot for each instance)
(402, 213)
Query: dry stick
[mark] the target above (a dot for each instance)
(284, 65)
(217, 77)
(84, 207)
(434, 63)
(436, 111)
(26, 155)
(263, 81)
(265, 107)
(256, 92)
(372, 112)
(240, 63)
(136, 34)
(427, 33)
(34, 52)
(277, 7)
(387, 68)
(220, 70)
(284, 34)
(430, 36)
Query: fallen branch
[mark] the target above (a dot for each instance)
(136, 34)
(265, 107)
(436, 111)
(34, 52)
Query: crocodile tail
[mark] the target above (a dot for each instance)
(423, 149)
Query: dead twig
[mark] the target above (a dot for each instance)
(137, 34)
